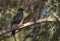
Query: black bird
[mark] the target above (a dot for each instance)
(17, 18)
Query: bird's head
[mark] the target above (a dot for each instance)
(20, 9)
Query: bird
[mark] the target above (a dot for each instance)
(17, 18)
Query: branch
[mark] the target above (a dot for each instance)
(28, 24)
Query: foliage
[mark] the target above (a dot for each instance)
(46, 31)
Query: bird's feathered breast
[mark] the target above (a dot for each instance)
(18, 17)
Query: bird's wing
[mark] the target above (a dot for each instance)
(18, 16)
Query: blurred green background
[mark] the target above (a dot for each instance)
(49, 31)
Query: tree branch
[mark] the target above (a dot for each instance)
(29, 24)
